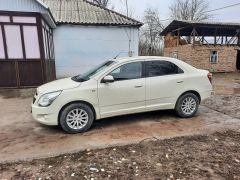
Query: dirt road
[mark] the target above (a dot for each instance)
(195, 157)
(22, 138)
(227, 98)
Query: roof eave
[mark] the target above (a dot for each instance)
(52, 19)
(101, 24)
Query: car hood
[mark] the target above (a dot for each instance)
(58, 85)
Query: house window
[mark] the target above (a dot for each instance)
(31, 42)
(174, 55)
(20, 19)
(4, 19)
(14, 41)
(214, 57)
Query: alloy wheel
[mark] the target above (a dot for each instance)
(77, 119)
(189, 105)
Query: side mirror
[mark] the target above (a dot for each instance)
(108, 79)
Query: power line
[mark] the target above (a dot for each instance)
(225, 7)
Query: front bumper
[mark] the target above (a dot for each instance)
(45, 115)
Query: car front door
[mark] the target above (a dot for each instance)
(126, 94)
(164, 82)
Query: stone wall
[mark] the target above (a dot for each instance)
(199, 56)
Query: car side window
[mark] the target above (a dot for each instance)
(128, 71)
(161, 68)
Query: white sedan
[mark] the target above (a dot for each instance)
(119, 87)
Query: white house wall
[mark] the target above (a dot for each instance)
(79, 48)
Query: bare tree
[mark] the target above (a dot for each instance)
(103, 3)
(190, 10)
(150, 39)
(127, 10)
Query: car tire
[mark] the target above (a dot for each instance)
(76, 118)
(187, 105)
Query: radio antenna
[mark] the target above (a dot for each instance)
(117, 55)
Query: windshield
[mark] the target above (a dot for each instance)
(86, 76)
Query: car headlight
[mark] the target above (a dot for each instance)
(47, 99)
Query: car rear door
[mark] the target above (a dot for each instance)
(164, 83)
(126, 94)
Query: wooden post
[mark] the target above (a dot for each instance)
(215, 37)
(194, 36)
(238, 42)
(178, 38)
(41, 45)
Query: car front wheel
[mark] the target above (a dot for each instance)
(187, 105)
(76, 118)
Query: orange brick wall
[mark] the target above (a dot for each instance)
(199, 55)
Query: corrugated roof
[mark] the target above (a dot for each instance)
(203, 28)
(210, 23)
(84, 12)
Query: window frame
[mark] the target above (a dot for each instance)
(2, 41)
(39, 23)
(211, 55)
(142, 69)
(146, 71)
(10, 43)
(174, 54)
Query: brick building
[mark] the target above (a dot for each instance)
(211, 46)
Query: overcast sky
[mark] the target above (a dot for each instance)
(138, 7)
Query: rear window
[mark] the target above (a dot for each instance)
(161, 68)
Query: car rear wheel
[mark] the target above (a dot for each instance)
(187, 105)
(76, 118)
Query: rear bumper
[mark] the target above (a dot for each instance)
(45, 115)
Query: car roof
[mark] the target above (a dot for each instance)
(126, 59)
(157, 58)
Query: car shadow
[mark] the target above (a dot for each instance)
(135, 118)
(154, 116)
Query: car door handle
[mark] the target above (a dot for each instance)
(179, 82)
(138, 86)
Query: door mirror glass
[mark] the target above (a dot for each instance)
(108, 79)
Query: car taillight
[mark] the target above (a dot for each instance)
(210, 76)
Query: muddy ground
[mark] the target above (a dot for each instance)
(200, 154)
(215, 156)
(227, 98)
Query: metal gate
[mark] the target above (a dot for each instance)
(18, 73)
